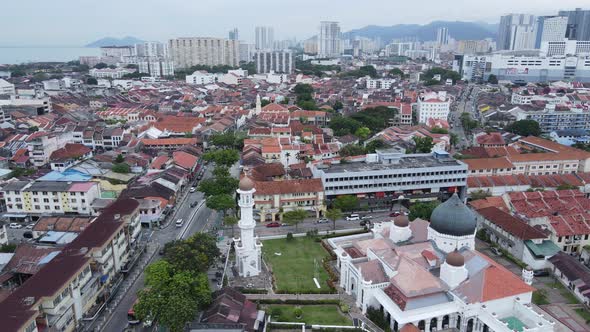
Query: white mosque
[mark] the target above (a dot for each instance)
(248, 247)
(429, 277)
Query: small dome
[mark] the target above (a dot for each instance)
(455, 259)
(401, 221)
(246, 184)
(453, 218)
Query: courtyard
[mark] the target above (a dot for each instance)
(311, 314)
(295, 263)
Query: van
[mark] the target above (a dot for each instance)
(179, 223)
(353, 217)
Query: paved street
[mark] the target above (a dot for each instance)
(195, 220)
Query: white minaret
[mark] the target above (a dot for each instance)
(258, 105)
(248, 249)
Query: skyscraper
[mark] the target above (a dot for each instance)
(187, 52)
(442, 36)
(550, 28)
(264, 38)
(578, 25)
(233, 34)
(516, 32)
(276, 61)
(329, 40)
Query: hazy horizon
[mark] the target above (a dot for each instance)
(67, 23)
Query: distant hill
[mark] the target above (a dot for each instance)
(110, 41)
(457, 30)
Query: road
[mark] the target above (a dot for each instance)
(195, 220)
(465, 104)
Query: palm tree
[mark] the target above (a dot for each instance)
(288, 155)
(333, 214)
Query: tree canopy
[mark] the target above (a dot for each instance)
(422, 210)
(173, 298)
(423, 144)
(121, 168)
(333, 214)
(221, 202)
(525, 128)
(222, 157)
(346, 202)
(492, 79)
(195, 254)
(361, 72)
(444, 73)
(294, 217)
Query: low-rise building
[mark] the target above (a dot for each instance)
(201, 77)
(272, 197)
(432, 105)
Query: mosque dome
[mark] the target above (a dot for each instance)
(453, 218)
(246, 184)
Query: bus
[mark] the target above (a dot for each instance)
(131, 318)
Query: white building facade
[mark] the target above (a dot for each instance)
(248, 247)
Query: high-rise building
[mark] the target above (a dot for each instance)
(247, 52)
(151, 49)
(234, 34)
(329, 40)
(442, 36)
(578, 24)
(550, 28)
(276, 61)
(156, 67)
(310, 46)
(264, 38)
(187, 52)
(516, 32)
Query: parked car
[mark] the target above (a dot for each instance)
(14, 225)
(273, 224)
(353, 217)
(179, 222)
(496, 251)
(395, 214)
(193, 189)
(366, 217)
(193, 204)
(30, 226)
(541, 273)
(322, 220)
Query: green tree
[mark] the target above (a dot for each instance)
(467, 122)
(121, 168)
(230, 221)
(525, 128)
(374, 145)
(422, 210)
(334, 214)
(171, 298)
(101, 65)
(195, 254)
(91, 81)
(223, 140)
(285, 101)
(566, 186)
(264, 102)
(351, 150)
(222, 202)
(119, 159)
(219, 185)
(8, 248)
(453, 139)
(344, 125)
(302, 88)
(294, 217)
(223, 157)
(337, 105)
(437, 130)
(33, 129)
(423, 144)
(396, 72)
(346, 202)
(479, 194)
(492, 79)
(363, 133)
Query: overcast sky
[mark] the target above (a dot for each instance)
(77, 22)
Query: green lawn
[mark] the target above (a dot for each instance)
(584, 314)
(312, 314)
(294, 269)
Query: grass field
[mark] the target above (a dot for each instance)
(312, 314)
(294, 269)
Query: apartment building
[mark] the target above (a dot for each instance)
(271, 197)
(433, 105)
(42, 144)
(116, 73)
(34, 198)
(274, 61)
(156, 67)
(380, 84)
(187, 52)
(6, 88)
(553, 118)
(201, 77)
(95, 137)
(69, 285)
(391, 173)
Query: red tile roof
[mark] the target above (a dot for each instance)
(70, 151)
(184, 160)
(288, 186)
(511, 224)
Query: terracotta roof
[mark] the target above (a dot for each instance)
(159, 162)
(511, 224)
(70, 151)
(289, 186)
(488, 163)
(494, 201)
(178, 124)
(491, 139)
(168, 141)
(184, 160)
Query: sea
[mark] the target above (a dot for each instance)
(25, 54)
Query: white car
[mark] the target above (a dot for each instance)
(30, 226)
(14, 225)
(322, 220)
(192, 190)
(353, 217)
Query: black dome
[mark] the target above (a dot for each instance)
(453, 218)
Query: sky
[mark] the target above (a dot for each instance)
(78, 22)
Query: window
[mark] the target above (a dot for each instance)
(45, 200)
(47, 207)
